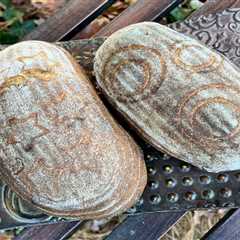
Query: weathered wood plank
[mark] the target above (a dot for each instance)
(75, 15)
(57, 231)
(142, 10)
(145, 226)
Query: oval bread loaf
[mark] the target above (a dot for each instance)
(60, 148)
(181, 96)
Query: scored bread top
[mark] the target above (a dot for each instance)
(60, 148)
(181, 96)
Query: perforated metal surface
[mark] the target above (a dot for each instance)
(176, 185)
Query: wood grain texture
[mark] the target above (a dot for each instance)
(72, 17)
(56, 231)
(181, 96)
(145, 226)
(142, 10)
(60, 148)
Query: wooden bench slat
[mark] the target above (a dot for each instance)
(56, 231)
(227, 228)
(142, 10)
(70, 18)
(145, 226)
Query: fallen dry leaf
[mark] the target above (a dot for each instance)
(47, 7)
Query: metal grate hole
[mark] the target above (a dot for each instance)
(172, 197)
(184, 167)
(155, 199)
(190, 196)
(223, 178)
(208, 194)
(153, 184)
(168, 169)
(170, 182)
(226, 192)
(187, 181)
(204, 179)
(151, 170)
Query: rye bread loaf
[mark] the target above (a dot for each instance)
(181, 96)
(60, 148)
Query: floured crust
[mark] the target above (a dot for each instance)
(60, 148)
(182, 97)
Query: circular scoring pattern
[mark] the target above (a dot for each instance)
(203, 116)
(195, 58)
(133, 72)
